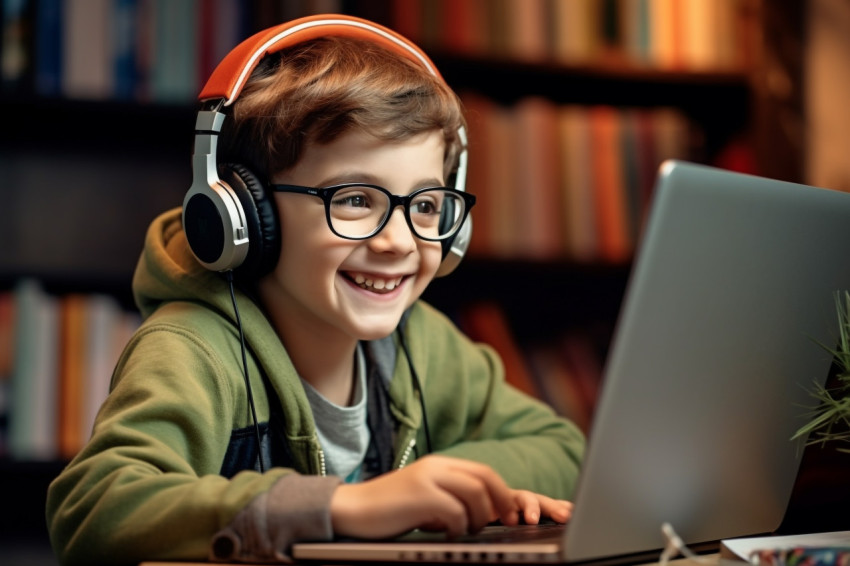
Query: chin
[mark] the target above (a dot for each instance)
(374, 333)
(375, 329)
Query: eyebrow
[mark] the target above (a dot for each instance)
(361, 177)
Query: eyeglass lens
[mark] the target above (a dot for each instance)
(358, 211)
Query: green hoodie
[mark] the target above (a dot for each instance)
(147, 485)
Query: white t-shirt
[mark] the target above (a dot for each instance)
(343, 432)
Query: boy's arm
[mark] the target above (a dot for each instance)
(475, 414)
(146, 486)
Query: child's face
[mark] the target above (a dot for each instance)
(315, 282)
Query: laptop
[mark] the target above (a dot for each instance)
(708, 377)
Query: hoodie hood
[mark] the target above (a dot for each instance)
(167, 270)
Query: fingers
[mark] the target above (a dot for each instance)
(449, 514)
(484, 493)
(560, 510)
(529, 505)
(474, 497)
(534, 506)
(486, 497)
(437, 493)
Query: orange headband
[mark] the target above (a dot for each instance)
(230, 75)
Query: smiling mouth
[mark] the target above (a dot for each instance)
(375, 284)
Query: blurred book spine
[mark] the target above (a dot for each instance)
(57, 353)
(566, 182)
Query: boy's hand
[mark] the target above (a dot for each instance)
(436, 493)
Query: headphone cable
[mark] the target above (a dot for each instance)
(229, 276)
(417, 385)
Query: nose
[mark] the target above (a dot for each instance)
(395, 237)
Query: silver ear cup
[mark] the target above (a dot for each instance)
(457, 249)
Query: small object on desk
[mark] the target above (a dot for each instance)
(815, 549)
(802, 556)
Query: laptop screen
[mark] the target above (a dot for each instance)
(714, 355)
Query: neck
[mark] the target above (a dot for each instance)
(331, 375)
(323, 357)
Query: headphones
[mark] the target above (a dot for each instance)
(229, 217)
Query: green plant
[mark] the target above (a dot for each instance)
(830, 420)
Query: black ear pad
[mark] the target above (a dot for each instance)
(261, 220)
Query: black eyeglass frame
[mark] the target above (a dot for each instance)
(326, 195)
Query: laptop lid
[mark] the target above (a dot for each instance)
(708, 375)
(713, 359)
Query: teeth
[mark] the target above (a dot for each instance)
(377, 284)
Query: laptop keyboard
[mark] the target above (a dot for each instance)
(518, 533)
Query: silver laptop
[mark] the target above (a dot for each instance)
(708, 377)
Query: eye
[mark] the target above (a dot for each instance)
(424, 208)
(428, 204)
(351, 198)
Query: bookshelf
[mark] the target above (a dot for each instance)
(88, 172)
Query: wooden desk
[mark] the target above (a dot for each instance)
(707, 560)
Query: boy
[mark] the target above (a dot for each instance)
(335, 403)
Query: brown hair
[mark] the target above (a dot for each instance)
(321, 89)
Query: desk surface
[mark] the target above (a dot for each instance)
(705, 560)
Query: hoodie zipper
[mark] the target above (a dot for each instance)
(406, 454)
(323, 471)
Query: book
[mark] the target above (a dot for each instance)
(501, 159)
(671, 133)
(770, 549)
(576, 179)
(462, 24)
(528, 39)
(48, 43)
(630, 172)
(478, 182)
(124, 43)
(231, 27)
(220, 29)
(33, 395)
(145, 49)
(615, 244)
(7, 344)
(665, 47)
(174, 73)
(536, 191)
(647, 158)
(634, 31)
(57, 355)
(7, 339)
(87, 48)
(73, 344)
(109, 330)
(702, 36)
(576, 36)
(499, 28)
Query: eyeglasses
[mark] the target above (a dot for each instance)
(357, 211)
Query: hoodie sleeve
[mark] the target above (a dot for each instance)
(475, 414)
(146, 486)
